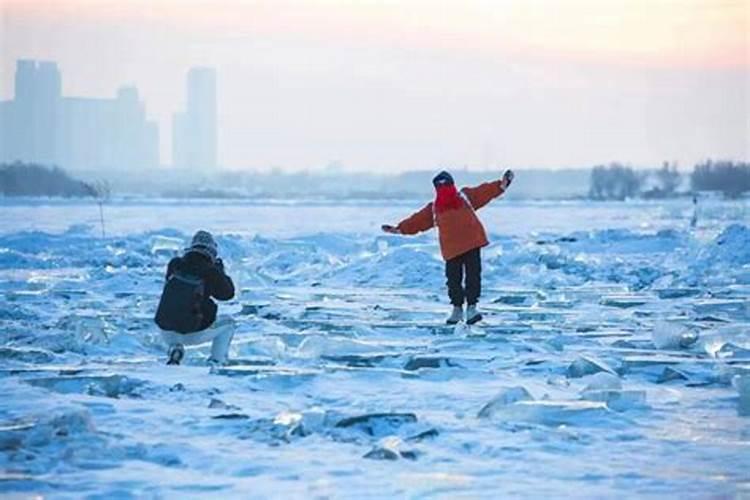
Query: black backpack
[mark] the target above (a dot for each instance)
(180, 307)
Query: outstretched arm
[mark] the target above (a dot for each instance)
(481, 195)
(415, 223)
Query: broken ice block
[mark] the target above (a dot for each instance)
(377, 424)
(669, 374)
(742, 383)
(390, 448)
(166, 245)
(603, 381)
(586, 365)
(623, 301)
(677, 293)
(505, 397)
(554, 412)
(618, 400)
(733, 351)
(672, 336)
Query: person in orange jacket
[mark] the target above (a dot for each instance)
(461, 236)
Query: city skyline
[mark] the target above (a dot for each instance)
(395, 86)
(40, 124)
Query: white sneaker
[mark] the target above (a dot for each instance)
(456, 316)
(472, 315)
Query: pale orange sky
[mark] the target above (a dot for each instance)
(415, 84)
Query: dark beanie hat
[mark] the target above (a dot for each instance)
(443, 179)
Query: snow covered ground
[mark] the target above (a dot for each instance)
(614, 358)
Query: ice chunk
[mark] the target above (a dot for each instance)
(618, 400)
(731, 246)
(283, 428)
(603, 381)
(46, 428)
(314, 419)
(742, 384)
(26, 355)
(422, 435)
(525, 298)
(250, 309)
(417, 362)
(377, 424)
(725, 373)
(391, 448)
(548, 412)
(11, 436)
(727, 308)
(647, 361)
(288, 418)
(587, 365)
(667, 335)
(166, 245)
(263, 371)
(358, 360)
(87, 330)
(624, 344)
(733, 351)
(323, 345)
(221, 405)
(231, 416)
(462, 330)
(505, 397)
(607, 388)
(111, 386)
(251, 360)
(540, 315)
(731, 341)
(677, 293)
(268, 346)
(623, 301)
(669, 374)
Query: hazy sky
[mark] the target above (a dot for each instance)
(396, 85)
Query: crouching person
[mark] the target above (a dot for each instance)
(186, 312)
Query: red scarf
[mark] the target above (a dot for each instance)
(447, 197)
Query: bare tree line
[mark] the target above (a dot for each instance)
(30, 179)
(606, 182)
(619, 182)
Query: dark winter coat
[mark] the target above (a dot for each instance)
(217, 284)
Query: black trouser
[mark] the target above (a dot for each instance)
(471, 262)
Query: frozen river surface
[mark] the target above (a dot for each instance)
(614, 359)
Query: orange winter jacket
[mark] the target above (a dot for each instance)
(459, 230)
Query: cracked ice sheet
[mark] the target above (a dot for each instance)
(347, 324)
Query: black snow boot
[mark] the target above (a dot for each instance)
(176, 353)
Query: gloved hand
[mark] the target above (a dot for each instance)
(390, 229)
(507, 178)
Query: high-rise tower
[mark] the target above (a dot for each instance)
(194, 133)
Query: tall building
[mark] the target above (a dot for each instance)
(194, 133)
(30, 120)
(40, 125)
